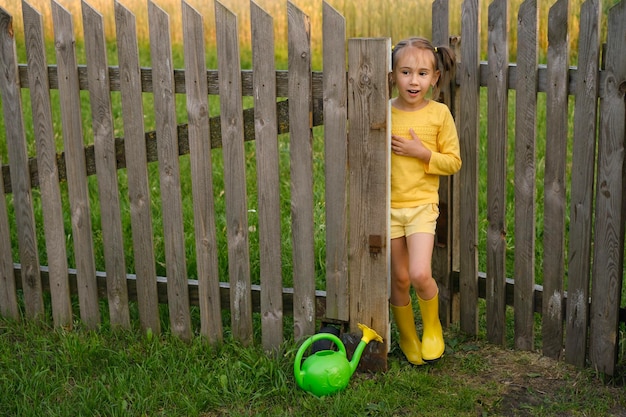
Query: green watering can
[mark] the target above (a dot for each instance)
(328, 371)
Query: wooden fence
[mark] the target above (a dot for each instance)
(356, 162)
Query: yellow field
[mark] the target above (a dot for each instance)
(368, 18)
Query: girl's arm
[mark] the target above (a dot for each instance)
(447, 160)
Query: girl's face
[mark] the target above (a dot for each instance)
(414, 74)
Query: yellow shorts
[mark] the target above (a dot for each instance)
(420, 219)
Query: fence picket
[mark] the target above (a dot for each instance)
(75, 166)
(266, 132)
(301, 147)
(369, 147)
(8, 295)
(137, 169)
(336, 167)
(525, 175)
(583, 162)
(47, 167)
(231, 108)
(201, 175)
(442, 251)
(20, 180)
(468, 176)
(554, 180)
(169, 171)
(608, 254)
(497, 144)
(106, 167)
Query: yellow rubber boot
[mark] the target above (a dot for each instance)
(433, 345)
(409, 341)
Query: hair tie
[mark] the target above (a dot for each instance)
(436, 49)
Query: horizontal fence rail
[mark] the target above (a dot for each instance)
(580, 180)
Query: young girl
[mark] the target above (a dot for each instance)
(424, 145)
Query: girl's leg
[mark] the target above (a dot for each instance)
(420, 250)
(400, 301)
(400, 281)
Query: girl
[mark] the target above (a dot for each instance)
(424, 145)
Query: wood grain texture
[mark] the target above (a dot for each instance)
(608, 261)
(525, 175)
(202, 176)
(106, 167)
(169, 172)
(497, 144)
(301, 160)
(231, 108)
(336, 164)
(554, 180)
(369, 150)
(18, 157)
(583, 175)
(82, 235)
(266, 133)
(134, 146)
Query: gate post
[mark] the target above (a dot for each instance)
(369, 62)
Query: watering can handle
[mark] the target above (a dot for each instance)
(313, 339)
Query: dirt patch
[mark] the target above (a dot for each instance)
(527, 382)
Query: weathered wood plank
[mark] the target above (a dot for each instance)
(554, 180)
(468, 176)
(608, 254)
(48, 178)
(336, 164)
(282, 77)
(442, 251)
(525, 175)
(301, 149)
(106, 167)
(136, 159)
(231, 108)
(583, 162)
(369, 147)
(497, 144)
(146, 82)
(75, 165)
(169, 172)
(454, 206)
(8, 295)
(440, 32)
(20, 182)
(201, 176)
(268, 176)
(193, 288)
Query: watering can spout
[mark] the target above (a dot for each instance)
(368, 336)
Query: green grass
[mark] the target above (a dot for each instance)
(45, 371)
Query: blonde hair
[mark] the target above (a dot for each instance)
(444, 60)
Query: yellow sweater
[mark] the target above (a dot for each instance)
(413, 182)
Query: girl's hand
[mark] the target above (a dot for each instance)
(413, 148)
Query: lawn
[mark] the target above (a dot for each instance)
(51, 372)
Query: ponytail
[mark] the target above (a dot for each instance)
(446, 64)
